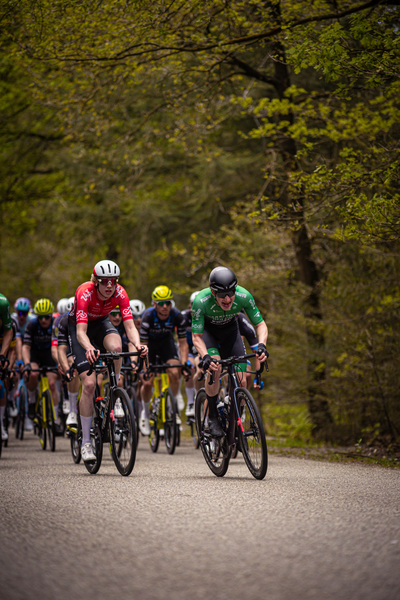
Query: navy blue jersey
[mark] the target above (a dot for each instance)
(37, 337)
(59, 333)
(153, 328)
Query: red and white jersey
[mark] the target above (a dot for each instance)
(88, 306)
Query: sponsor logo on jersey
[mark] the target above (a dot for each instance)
(119, 292)
(206, 298)
(81, 314)
(126, 312)
(86, 295)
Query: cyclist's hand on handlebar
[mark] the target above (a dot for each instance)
(187, 370)
(143, 351)
(69, 375)
(261, 352)
(208, 364)
(91, 354)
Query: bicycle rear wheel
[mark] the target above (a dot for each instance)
(215, 450)
(251, 434)
(123, 434)
(97, 445)
(51, 426)
(170, 433)
(20, 422)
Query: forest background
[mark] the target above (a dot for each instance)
(174, 136)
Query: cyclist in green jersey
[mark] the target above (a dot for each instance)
(216, 332)
(6, 336)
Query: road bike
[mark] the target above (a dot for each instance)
(22, 409)
(44, 420)
(119, 432)
(241, 421)
(163, 409)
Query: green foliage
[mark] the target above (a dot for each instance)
(174, 137)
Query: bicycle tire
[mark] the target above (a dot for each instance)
(252, 436)
(123, 434)
(97, 445)
(20, 422)
(135, 403)
(41, 430)
(75, 436)
(51, 426)
(154, 437)
(170, 425)
(215, 450)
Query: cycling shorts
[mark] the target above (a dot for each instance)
(162, 350)
(42, 357)
(96, 332)
(225, 341)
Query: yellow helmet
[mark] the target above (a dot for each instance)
(44, 306)
(162, 292)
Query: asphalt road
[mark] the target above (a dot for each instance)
(309, 530)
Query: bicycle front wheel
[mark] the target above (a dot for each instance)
(20, 422)
(75, 436)
(170, 422)
(215, 450)
(97, 445)
(251, 434)
(39, 419)
(132, 395)
(154, 437)
(51, 426)
(123, 434)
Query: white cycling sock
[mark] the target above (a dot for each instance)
(146, 411)
(86, 424)
(72, 401)
(190, 395)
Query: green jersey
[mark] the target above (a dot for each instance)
(5, 315)
(205, 310)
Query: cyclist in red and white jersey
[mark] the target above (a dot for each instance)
(90, 330)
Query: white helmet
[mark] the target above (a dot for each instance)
(106, 268)
(70, 303)
(137, 307)
(62, 306)
(193, 296)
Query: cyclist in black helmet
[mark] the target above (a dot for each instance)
(216, 332)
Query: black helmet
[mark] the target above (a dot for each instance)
(222, 279)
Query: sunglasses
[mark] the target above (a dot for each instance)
(115, 313)
(164, 303)
(23, 313)
(231, 293)
(106, 281)
(43, 317)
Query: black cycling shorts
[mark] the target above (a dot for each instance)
(96, 332)
(162, 350)
(42, 357)
(225, 341)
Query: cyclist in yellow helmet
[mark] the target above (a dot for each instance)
(36, 352)
(157, 329)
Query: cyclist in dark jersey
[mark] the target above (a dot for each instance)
(216, 332)
(157, 331)
(36, 351)
(191, 386)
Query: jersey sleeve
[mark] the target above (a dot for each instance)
(5, 314)
(28, 332)
(251, 309)
(197, 316)
(82, 305)
(180, 324)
